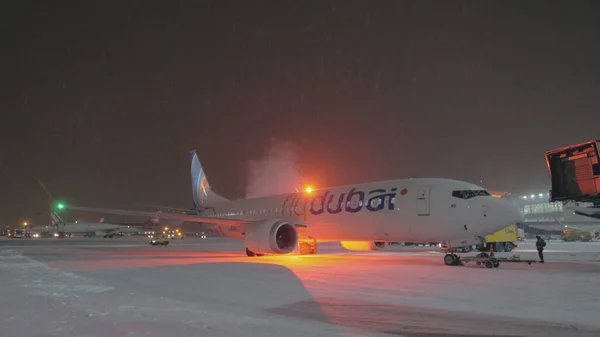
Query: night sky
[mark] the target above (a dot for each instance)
(103, 101)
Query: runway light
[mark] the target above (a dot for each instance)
(541, 195)
(308, 189)
(532, 196)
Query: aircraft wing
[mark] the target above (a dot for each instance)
(590, 212)
(163, 215)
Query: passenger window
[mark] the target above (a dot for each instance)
(468, 194)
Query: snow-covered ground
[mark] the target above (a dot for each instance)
(124, 287)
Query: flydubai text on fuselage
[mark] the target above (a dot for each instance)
(416, 210)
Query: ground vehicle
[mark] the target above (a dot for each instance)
(161, 240)
(17, 234)
(503, 241)
(571, 235)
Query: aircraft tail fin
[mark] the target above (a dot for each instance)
(201, 191)
(57, 221)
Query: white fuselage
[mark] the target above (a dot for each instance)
(72, 228)
(415, 210)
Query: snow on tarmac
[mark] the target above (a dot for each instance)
(93, 288)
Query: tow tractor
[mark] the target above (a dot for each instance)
(483, 260)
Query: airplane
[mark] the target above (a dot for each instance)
(363, 217)
(107, 230)
(590, 212)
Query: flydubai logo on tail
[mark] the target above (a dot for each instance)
(199, 181)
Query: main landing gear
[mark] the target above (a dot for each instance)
(307, 247)
(304, 248)
(251, 253)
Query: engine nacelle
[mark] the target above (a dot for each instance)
(271, 237)
(364, 245)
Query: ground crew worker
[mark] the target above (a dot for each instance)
(540, 244)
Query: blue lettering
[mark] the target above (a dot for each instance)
(338, 206)
(392, 199)
(302, 208)
(321, 207)
(285, 203)
(377, 203)
(359, 203)
(299, 204)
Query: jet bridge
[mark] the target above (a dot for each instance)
(575, 175)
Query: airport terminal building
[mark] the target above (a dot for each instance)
(542, 214)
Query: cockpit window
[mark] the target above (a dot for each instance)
(468, 194)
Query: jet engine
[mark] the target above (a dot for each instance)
(271, 237)
(364, 245)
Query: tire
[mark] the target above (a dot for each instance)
(467, 249)
(305, 248)
(489, 264)
(496, 264)
(449, 260)
(509, 246)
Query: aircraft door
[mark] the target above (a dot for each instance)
(423, 204)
